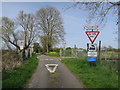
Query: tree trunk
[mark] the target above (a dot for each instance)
(47, 48)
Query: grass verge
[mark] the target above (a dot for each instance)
(18, 77)
(92, 77)
(53, 55)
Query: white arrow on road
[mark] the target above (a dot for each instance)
(51, 67)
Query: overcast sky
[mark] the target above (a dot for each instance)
(74, 22)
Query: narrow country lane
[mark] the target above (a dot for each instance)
(62, 78)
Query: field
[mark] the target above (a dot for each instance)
(52, 55)
(97, 76)
(18, 77)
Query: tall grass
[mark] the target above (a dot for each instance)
(113, 65)
(92, 77)
(18, 77)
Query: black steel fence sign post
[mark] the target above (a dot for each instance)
(92, 33)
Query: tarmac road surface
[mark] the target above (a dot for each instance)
(61, 78)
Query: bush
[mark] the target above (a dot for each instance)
(55, 50)
(18, 77)
(10, 59)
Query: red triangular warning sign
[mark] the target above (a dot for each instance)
(92, 35)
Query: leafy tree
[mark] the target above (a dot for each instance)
(68, 48)
(50, 24)
(37, 48)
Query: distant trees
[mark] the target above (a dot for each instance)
(68, 48)
(109, 48)
(50, 23)
(37, 48)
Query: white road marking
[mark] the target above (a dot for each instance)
(51, 67)
(50, 59)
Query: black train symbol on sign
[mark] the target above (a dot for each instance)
(91, 47)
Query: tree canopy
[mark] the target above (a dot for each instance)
(50, 23)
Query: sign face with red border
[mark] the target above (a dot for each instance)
(91, 27)
(92, 35)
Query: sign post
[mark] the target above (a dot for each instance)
(92, 33)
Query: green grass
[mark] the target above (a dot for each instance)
(113, 65)
(53, 55)
(92, 77)
(18, 77)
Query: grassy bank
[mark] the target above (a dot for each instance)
(18, 77)
(92, 77)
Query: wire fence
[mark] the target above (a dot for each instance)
(73, 53)
(109, 55)
(108, 59)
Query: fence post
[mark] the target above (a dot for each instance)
(71, 52)
(60, 52)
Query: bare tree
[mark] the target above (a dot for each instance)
(99, 11)
(50, 24)
(28, 31)
(9, 34)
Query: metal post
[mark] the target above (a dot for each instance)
(87, 47)
(99, 50)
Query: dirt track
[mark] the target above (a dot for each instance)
(62, 78)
